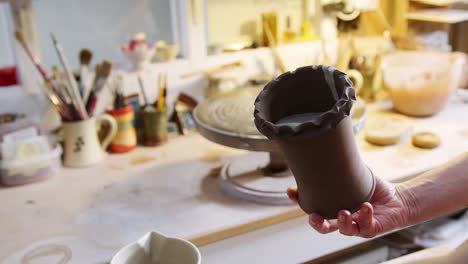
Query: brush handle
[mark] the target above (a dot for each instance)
(91, 103)
(84, 91)
(39, 67)
(74, 112)
(143, 92)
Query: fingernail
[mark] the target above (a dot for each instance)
(292, 188)
(364, 209)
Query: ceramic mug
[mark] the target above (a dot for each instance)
(81, 143)
(155, 247)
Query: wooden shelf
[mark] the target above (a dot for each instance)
(439, 15)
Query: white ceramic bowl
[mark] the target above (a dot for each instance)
(167, 51)
(419, 82)
(156, 248)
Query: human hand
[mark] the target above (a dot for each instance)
(385, 211)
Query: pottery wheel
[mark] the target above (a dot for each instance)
(227, 119)
(232, 111)
(248, 177)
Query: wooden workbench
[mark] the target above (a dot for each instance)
(93, 212)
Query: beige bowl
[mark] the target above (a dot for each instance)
(420, 83)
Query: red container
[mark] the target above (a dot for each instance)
(8, 76)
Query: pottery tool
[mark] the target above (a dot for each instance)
(162, 90)
(143, 92)
(102, 74)
(272, 45)
(214, 70)
(85, 58)
(119, 99)
(72, 85)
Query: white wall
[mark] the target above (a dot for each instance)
(100, 25)
(6, 51)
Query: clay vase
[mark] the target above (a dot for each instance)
(321, 151)
(125, 140)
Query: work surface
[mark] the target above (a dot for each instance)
(93, 212)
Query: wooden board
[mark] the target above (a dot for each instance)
(224, 233)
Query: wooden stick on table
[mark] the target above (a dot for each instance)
(225, 233)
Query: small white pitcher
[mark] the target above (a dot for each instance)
(156, 248)
(81, 143)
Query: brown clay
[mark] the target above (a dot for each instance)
(321, 153)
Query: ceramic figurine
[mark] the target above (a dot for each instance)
(139, 51)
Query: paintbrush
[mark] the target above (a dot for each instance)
(85, 58)
(62, 91)
(119, 100)
(101, 78)
(143, 92)
(58, 103)
(91, 97)
(52, 95)
(101, 75)
(19, 37)
(72, 85)
(162, 85)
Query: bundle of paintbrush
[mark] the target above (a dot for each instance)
(72, 100)
(63, 93)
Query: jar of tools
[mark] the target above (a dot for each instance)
(153, 125)
(152, 118)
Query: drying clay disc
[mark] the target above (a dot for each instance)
(387, 131)
(425, 140)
